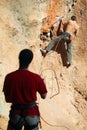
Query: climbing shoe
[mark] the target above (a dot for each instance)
(43, 52)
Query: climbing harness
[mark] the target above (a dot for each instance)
(23, 106)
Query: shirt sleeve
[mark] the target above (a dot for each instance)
(42, 87)
(6, 89)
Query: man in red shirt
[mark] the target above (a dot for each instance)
(20, 89)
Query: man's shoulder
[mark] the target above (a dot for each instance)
(35, 74)
(71, 21)
(11, 73)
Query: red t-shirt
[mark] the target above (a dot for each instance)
(21, 87)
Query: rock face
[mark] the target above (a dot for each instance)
(20, 24)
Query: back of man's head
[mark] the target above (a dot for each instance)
(25, 57)
(73, 18)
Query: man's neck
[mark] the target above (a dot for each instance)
(23, 68)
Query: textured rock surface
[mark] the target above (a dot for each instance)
(20, 23)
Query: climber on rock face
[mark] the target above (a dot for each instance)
(70, 28)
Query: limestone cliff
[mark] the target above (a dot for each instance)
(20, 26)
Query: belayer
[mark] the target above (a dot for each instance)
(20, 89)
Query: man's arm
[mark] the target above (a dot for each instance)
(63, 25)
(64, 22)
(42, 88)
(77, 31)
(6, 90)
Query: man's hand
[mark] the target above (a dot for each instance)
(43, 95)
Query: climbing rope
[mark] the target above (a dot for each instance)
(58, 88)
(52, 124)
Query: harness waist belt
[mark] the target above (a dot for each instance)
(23, 106)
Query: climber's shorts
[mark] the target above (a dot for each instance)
(67, 36)
(71, 38)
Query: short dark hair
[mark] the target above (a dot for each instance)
(73, 18)
(25, 57)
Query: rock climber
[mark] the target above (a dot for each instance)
(70, 29)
